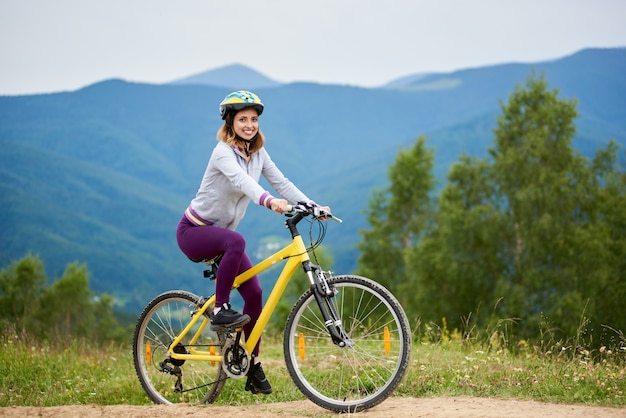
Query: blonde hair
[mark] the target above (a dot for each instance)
(227, 134)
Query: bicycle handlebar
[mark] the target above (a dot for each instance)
(315, 211)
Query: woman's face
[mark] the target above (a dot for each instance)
(246, 123)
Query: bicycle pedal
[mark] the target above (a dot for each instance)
(251, 388)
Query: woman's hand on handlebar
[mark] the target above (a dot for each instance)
(324, 213)
(280, 205)
(320, 209)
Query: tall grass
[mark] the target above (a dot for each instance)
(444, 363)
(491, 363)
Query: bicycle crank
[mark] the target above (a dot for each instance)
(236, 359)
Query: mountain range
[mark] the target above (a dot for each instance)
(101, 175)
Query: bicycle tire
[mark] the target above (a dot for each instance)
(355, 378)
(159, 323)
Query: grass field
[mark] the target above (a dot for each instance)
(75, 373)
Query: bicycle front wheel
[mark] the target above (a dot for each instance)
(367, 370)
(169, 381)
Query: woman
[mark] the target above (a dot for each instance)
(230, 182)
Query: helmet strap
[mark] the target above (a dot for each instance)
(246, 143)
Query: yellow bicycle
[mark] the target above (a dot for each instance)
(347, 340)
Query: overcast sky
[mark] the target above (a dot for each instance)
(58, 45)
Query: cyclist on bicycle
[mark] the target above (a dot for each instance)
(230, 182)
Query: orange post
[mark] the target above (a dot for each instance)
(148, 352)
(301, 346)
(212, 351)
(387, 340)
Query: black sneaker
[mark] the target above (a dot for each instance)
(228, 317)
(257, 382)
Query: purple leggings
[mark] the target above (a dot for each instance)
(200, 242)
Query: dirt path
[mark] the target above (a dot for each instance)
(454, 407)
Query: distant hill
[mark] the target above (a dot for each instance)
(102, 175)
(231, 77)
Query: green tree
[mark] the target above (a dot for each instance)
(534, 232)
(381, 258)
(604, 255)
(454, 269)
(61, 312)
(67, 306)
(545, 184)
(398, 216)
(21, 286)
(107, 327)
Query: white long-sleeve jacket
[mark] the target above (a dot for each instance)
(230, 183)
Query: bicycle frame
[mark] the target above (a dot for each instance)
(295, 253)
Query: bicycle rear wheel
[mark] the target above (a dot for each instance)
(175, 381)
(365, 372)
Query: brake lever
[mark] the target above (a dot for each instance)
(320, 213)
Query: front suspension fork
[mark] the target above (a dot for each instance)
(324, 296)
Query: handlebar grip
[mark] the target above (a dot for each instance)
(336, 219)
